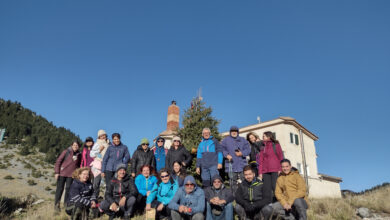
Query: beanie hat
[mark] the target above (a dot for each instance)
(89, 139)
(176, 138)
(120, 166)
(101, 132)
(234, 128)
(144, 141)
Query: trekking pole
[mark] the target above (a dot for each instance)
(230, 174)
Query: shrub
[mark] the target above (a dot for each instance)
(31, 182)
(9, 177)
(36, 173)
(47, 188)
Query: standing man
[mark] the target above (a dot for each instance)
(235, 151)
(160, 153)
(209, 157)
(253, 197)
(291, 193)
(141, 157)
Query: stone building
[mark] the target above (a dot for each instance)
(298, 145)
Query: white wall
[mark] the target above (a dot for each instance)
(319, 188)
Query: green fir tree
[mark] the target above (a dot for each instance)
(195, 118)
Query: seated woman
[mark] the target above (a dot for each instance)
(81, 196)
(178, 173)
(164, 189)
(144, 183)
(120, 194)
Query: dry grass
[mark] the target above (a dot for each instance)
(329, 209)
(378, 200)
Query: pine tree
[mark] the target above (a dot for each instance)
(195, 119)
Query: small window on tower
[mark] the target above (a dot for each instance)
(292, 138)
(296, 140)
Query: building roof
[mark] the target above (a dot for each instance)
(331, 178)
(280, 120)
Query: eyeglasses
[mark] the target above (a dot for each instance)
(160, 141)
(189, 184)
(176, 141)
(165, 176)
(146, 144)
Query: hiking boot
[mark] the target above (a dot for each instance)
(57, 208)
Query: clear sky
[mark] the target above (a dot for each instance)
(116, 65)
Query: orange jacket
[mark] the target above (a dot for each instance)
(290, 187)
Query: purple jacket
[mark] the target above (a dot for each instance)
(229, 145)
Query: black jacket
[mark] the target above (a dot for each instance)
(141, 158)
(253, 196)
(117, 189)
(223, 193)
(181, 155)
(255, 149)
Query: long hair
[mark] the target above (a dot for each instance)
(77, 172)
(152, 172)
(183, 172)
(251, 133)
(271, 136)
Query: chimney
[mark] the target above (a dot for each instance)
(173, 117)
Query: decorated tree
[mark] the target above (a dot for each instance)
(195, 119)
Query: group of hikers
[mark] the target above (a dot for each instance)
(262, 183)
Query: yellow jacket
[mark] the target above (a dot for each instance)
(290, 187)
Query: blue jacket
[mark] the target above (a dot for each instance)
(209, 153)
(144, 185)
(160, 155)
(115, 155)
(163, 191)
(195, 200)
(229, 145)
(81, 194)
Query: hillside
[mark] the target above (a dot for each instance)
(28, 129)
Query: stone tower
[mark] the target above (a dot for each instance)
(173, 120)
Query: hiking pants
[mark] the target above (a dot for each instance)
(242, 214)
(175, 215)
(269, 180)
(62, 182)
(226, 214)
(208, 173)
(299, 208)
(96, 185)
(127, 209)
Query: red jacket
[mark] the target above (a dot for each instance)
(66, 164)
(269, 161)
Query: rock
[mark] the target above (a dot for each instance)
(29, 199)
(38, 202)
(18, 211)
(363, 212)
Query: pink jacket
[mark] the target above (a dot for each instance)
(267, 159)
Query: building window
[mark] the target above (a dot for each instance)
(296, 140)
(292, 138)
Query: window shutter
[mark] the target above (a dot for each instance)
(291, 138)
(296, 140)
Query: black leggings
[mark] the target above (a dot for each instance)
(269, 180)
(61, 182)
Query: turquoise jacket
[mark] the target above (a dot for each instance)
(163, 191)
(144, 185)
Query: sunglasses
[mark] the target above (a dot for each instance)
(160, 141)
(176, 141)
(189, 184)
(164, 176)
(146, 144)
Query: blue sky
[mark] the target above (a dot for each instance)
(87, 65)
